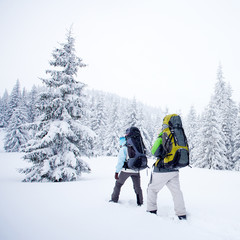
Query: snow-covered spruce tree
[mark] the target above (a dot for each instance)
(61, 139)
(16, 134)
(4, 110)
(25, 102)
(191, 130)
(32, 111)
(199, 150)
(14, 99)
(228, 125)
(226, 113)
(132, 114)
(99, 122)
(111, 141)
(236, 152)
(213, 156)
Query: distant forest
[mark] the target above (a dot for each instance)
(65, 117)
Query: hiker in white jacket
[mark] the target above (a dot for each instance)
(122, 173)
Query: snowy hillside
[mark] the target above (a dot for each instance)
(80, 210)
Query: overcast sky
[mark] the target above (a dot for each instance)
(165, 53)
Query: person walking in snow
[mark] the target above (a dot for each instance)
(123, 173)
(161, 177)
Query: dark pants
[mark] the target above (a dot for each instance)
(123, 176)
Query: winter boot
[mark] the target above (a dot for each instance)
(183, 217)
(153, 211)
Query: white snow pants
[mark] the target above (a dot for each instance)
(171, 180)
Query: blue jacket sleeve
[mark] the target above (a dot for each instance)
(122, 155)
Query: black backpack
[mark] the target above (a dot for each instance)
(137, 159)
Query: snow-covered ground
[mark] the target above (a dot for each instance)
(80, 210)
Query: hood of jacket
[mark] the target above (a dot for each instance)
(122, 141)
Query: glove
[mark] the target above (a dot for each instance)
(116, 176)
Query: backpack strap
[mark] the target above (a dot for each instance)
(159, 163)
(125, 165)
(142, 145)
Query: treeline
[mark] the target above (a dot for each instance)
(55, 125)
(214, 136)
(108, 115)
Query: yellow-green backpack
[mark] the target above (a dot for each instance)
(174, 143)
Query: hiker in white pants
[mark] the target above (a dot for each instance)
(171, 180)
(162, 176)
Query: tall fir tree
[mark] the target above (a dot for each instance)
(16, 134)
(99, 125)
(111, 142)
(199, 150)
(228, 125)
(132, 114)
(191, 130)
(14, 99)
(212, 149)
(236, 149)
(61, 141)
(226, 113)
(32, 104)
(4, 110)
